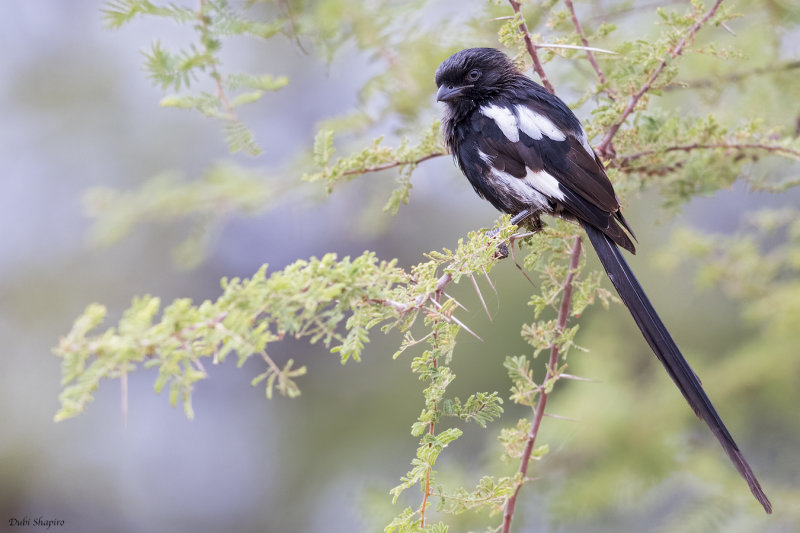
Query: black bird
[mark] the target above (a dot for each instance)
(523, 150)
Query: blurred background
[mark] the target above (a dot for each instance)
(78, 112)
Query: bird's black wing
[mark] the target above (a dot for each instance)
(522, 138)
(578, 169)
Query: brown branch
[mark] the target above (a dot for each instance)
(585, 42)
(393, 164)
(604, 147)
(538, 414)
(428, 490)
(783, 150)
(706, 83)
(653, 170)
(531, 47)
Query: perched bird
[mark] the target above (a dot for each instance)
(523, 150)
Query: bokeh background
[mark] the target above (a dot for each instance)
(78, 112)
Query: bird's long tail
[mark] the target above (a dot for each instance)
(659, 339)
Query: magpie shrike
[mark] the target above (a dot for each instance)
(523, 150)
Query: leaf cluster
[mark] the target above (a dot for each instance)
(328, 300)
(213, 22)
(375, 158)
(223, 189)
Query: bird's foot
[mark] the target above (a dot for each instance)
(527, 219)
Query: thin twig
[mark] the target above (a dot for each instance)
(705, 83)
(223, 98)
(585, 42)
(439, 289)
(651, 170)
(605, 144)
(538, 414)
(292, 25)
(275, 368)
(531, 47)
(783, 150)
(393, 164)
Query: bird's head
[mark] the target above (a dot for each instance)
(472, 75)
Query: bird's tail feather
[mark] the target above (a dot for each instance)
(659, 339)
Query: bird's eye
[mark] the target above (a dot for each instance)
(473, 75)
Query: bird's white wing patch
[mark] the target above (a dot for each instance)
(486, 158)
(504, 119)
(544, 183)
(535, 125)
(521, 189)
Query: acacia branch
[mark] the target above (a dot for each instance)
(393, 164)
(604, 147)
(585, 42)
(531, 47)
(783, 150)
(706, 83)
(538, 413)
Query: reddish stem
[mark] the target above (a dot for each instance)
(531, 47)
(538, 413)
(589, 54)
(604, 147)
(788, 152)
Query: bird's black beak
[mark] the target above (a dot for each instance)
(448, 92)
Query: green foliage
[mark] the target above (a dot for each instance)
(119, 12)
(264, 82)
(557, 242)
(489, 492)
(336, 302)
(408, 522)
(745, 266)
(375, 158)
(174, 70)
(705, 165)
(240, 138)
(524, 388)
(481, 407)
(213, 22)
(224, 188)
(679, 144)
